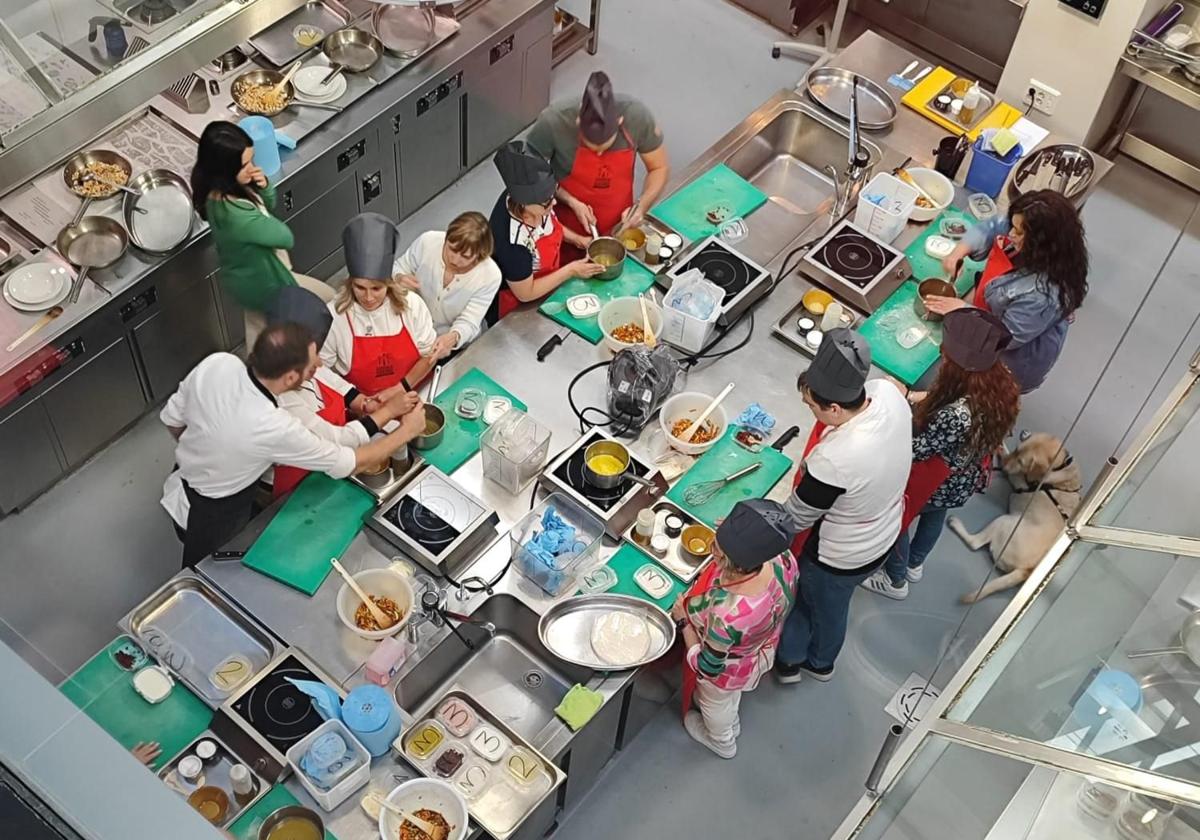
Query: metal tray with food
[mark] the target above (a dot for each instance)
(796, 328)
(500, 775)
(955, 90)
(678, 559)
(300, 31)
(650, 231)
(606, 632)
(202, 637)
(210, 784)
(392, 479)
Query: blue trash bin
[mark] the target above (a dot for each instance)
(988, 171)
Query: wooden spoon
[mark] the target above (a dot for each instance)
(698, 423)
(287, 77)
(52, 313)
(647, 332)
(434, 831)
(381, 618)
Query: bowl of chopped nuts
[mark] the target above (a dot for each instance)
(676, 422)
(391, 592)
(621, 322)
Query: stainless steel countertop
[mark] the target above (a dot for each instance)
(479, 25)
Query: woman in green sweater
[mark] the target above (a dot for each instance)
(235, 198)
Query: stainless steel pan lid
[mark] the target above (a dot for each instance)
(830, 88)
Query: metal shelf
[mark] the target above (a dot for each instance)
(1169, 82)
(576, 34)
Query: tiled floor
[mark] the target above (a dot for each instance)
(805, 750)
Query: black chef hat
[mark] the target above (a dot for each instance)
(974, 338)
(526, 174)
(839, 370)
(599, 117)
(294, 305)
(755, 532)
(369, 244)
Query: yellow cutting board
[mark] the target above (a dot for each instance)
(919, 98)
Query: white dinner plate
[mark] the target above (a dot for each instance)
(33, 284)
(58, 298)
(307, 84)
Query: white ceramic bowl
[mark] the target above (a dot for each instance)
(938, 187)
(425, 793)
(626, 310)
(382, 582)
(687, 405)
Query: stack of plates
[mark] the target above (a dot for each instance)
(307, 82)
(36, 286)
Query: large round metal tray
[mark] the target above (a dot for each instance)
(566, 629)
(830, 87)
(1065, 168)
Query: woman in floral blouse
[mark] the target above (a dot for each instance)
(731, 630)
(966, 414)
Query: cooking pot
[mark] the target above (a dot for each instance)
(435, 428)
(608, 247)
(932, 287)
(607, 481)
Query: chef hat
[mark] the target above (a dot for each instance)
(294, 305)
(756, 531)
(974, 338)
(599, 117)
(369, 244)
(839, 370)
(526, 174)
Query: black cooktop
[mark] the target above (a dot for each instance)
(276, 709)
(426, 528)
(571, 473)
(854, 256)
(722, 267)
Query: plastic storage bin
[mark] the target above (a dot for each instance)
(558, 573)
(685, 331)
(515, 449)
(886, 220)
(339, 793)
(988, 172)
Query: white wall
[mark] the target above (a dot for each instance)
(1074, 54)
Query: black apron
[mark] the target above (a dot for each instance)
(214, 522)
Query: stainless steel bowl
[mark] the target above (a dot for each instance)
(931, 288)
(290, 812)
(609, 248)
(435, 428)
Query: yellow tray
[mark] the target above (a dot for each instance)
(1002, 114)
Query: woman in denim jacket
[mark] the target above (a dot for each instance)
(1034, 279)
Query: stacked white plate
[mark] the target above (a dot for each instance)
(307, 82)
(36, 286)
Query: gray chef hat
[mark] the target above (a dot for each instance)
(755, 532)
(294, 305)
(599, 115)
(839, 370)
(526, 174)
(974, 338)
(369, 244)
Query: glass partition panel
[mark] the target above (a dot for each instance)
(1064, 675)
(954, 791)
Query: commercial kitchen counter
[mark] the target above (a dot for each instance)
(764, 371)
(146, 321)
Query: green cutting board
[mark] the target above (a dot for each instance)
(105, 694)
(725, 458)
(897, 314)
(461, 439)
(247, 825)
(628, 560)
(686, 210)
(634, 280)
(318, 521)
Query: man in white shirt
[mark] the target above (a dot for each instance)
(851, 496)
(455, 275)
(230, 429)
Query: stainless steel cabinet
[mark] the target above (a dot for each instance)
(535, 79)
(98, 399)
(318, 227)
(28, 454)
(496, 108)
(430, 142)
(181, 331)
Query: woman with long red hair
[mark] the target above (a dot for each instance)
(964, 417)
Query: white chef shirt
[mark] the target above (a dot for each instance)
(338, 352)
(232, 432)
(462, 305)
(304, 403)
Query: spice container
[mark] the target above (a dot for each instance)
(673, 526)
(970, 103)
(189, 769)
(654, 244)
(643, 531)
(673, 241)
(598, 580)
(206, 750)
(242, 783)
(659, 545)
(665, 253)
(523, 766)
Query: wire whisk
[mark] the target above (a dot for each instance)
(702, 493)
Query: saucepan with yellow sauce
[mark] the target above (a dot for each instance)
(606, 465)
(610, 253)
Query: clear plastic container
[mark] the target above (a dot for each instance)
(555, 574)
(352, 781)
(598, 580)
(514, 449)
(473, 779)
(887, 219)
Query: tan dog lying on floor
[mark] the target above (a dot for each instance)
(1045, 512)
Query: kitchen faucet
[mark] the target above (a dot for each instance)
(847, 186)
(432, 606)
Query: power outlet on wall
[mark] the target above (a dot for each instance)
(1043, 97)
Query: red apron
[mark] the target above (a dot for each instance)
(998, 264)
(380, 361)
(333, 411)
(604, 182)
(549, 255)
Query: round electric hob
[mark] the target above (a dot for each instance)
(854, 257)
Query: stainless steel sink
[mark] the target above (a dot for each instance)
(511, 673)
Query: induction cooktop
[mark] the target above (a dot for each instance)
(743, 280)
(856, 267)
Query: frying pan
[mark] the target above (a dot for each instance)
(350, 49)
(95, 242)
(406, 31)
(77, 166)
(1189, 642)
(168, 224)
(270, 78)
